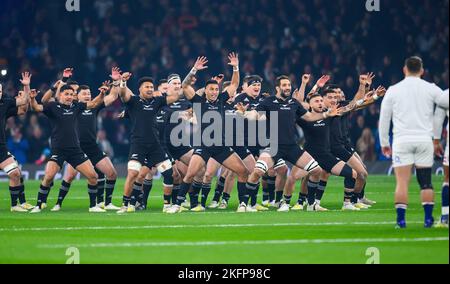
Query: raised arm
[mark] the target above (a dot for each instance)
(26, 81)
(35, 106)
(438, 121)
(302, 91)
(199, 65)
(235, 80)
(364, 80)
(310, 116)
(95, 103)
(120, 83)
(320, 83)
(113, 93)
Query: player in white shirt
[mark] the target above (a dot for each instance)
(439, 117)
(410, 105)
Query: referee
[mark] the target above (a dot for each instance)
(410, 105)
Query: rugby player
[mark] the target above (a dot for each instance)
(10, 107)
(65, 144)
(439, 117)
(410, 105)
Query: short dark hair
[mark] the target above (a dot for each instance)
(72, 82)
(145, 80)
(312, 96)
(280, 78)
(162, 81)
(65, 88)
(211, 82)
(328, 91)
(84, 87)
(414, 64)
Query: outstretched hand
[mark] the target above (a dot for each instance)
(234, 59)
(323, 80)
(200, 64)
(115, 74)
(26, 78)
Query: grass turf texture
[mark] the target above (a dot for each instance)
(222, 237)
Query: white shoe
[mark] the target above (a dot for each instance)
(18, 209)
(57, 208)
(223, 205)
(174, 209)
(199, 208)
(349, 207)
(43, 206)
(26, 206)
(186, 204)
(122, 210)
(111, 207)
(166, 207)
(361, 206)
(96, 209)
(35, 210)
(316, 207)
(274, 204)
(101, 205)
(265, 203)
(213, 205)
(242, 208)
(297, 207)
(284, 207)
(131, 209)
(251, 209)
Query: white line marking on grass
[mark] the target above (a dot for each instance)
(156, 227)
(227, 243)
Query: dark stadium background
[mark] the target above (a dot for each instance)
(273, 37)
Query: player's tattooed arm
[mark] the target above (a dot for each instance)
(371, 97)
(35, 106)
(334, 111)
(235, 80)
(21, 110)
(95, 103)
(48, 96)
(111, 94)
(188, 90)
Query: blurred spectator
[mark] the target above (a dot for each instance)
(105, 145)
(18, 146)
(366, 146)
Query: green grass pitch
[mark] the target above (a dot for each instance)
(217, 237)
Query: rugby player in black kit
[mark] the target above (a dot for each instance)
(8, 108)
(288, 110)
(212, 103)
(145, 147)
(65, 144)
(87, 131)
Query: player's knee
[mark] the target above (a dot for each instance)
(92, 177)
(111, 174)
(15, 176)
(313, 168)
(261, 168)
(166, 170)
(208, 176)
(362, 176)
(348, 172)
(424, 178)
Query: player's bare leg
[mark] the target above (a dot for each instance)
(69, 176)
(360, 181)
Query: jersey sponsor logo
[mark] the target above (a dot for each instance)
(134, 156)
(147, 107)
(67, 112)
(87, 112)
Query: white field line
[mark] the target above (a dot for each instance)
(156, 227)
(228, 243)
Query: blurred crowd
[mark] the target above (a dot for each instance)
(273, 37)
